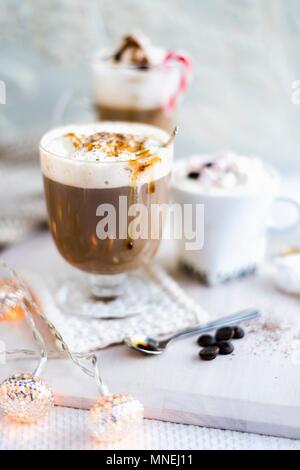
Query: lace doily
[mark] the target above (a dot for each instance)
(166, 309)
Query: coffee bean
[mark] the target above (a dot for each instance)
(194, 175)
(225, 347)
(224, 334)
(209, 353)
(206, 340)
(238, 332)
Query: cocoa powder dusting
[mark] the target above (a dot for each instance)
(270, 330)
(270, 336)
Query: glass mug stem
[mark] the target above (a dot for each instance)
(107, 286)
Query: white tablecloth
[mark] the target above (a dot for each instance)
(64, 429)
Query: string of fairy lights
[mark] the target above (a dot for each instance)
(27, 398)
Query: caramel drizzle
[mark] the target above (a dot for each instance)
(114, 144)
(75, 139)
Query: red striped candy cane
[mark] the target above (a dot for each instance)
(185, 61)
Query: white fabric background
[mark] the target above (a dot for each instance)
(64, 429)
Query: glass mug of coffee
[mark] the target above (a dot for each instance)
(139, 82)
(101, 181)
(136, 82)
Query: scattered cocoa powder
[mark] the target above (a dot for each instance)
(269, 329)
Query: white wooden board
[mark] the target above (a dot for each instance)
(255, 390)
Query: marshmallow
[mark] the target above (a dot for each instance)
(227, 173)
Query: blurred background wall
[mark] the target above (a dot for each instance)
(246, 55)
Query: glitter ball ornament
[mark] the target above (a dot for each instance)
(113, 417)
(25, 398)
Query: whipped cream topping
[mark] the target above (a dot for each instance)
(137, 50)
(223, 173)
(134, 77)
(105, 154)
(110, 146)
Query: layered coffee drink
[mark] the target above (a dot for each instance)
(139, 82)
(98, 180)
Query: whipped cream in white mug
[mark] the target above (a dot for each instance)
(223, 173)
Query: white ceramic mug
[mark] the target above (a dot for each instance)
(234, 229)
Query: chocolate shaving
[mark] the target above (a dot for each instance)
(138, 55)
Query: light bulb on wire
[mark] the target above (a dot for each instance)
(24, 397)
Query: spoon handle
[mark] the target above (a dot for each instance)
(171, 138)
(244, 315)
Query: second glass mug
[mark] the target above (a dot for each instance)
(129, 93)
(78, 193)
